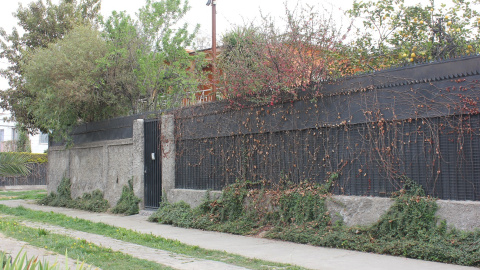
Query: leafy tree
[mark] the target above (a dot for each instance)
(147, 60)
(41, 23)
(265, 63)
(121, 60)
(398, 33)
(67, 71)
(67, 83)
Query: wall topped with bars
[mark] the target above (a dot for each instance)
(373, 130)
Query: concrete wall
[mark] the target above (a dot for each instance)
(103, 165)
(364, 211)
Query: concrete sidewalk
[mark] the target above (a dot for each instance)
(265, 249)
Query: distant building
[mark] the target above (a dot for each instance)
(9, 136)
(204, 93)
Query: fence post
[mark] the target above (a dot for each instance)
(167, 140)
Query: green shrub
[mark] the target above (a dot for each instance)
(177, 214)
(31, 157)
(63, 197)
(128, 202)
(412, 216)
(243, 210)
(37, 158)
(304, 203)
(93, 202)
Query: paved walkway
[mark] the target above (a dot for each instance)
(265, 249)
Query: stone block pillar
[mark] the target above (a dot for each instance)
(138, 160)
(168, 152)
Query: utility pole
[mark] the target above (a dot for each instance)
(213, 3)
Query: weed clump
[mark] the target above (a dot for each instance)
(128, 202)
(93, 202)
(412, 216)
(249, 208)
(63, 197)
(178, 214)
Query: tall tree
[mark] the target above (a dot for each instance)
(395, 32)
(147, 59)
(123, 46)
(68, 84)
(42, 24)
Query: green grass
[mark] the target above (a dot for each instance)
(22, 194)
(147, 240)
(76, 249)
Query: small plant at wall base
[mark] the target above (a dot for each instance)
(63, 197)
(412, 216)
(298, 213)
(244, 210)
(93, 202)
(128, 202)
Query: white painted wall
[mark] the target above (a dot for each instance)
(8, 128)
(37, 145)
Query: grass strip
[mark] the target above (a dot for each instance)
(148, 240)
(77, 249)
(22, 195)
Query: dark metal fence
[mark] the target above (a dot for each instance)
(372, 130)
(111, 129)
(37, 176)
(369, 162)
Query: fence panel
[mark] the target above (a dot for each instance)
(37, 176)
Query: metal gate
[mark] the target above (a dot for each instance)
(153, 164)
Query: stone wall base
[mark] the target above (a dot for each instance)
(362, 211)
